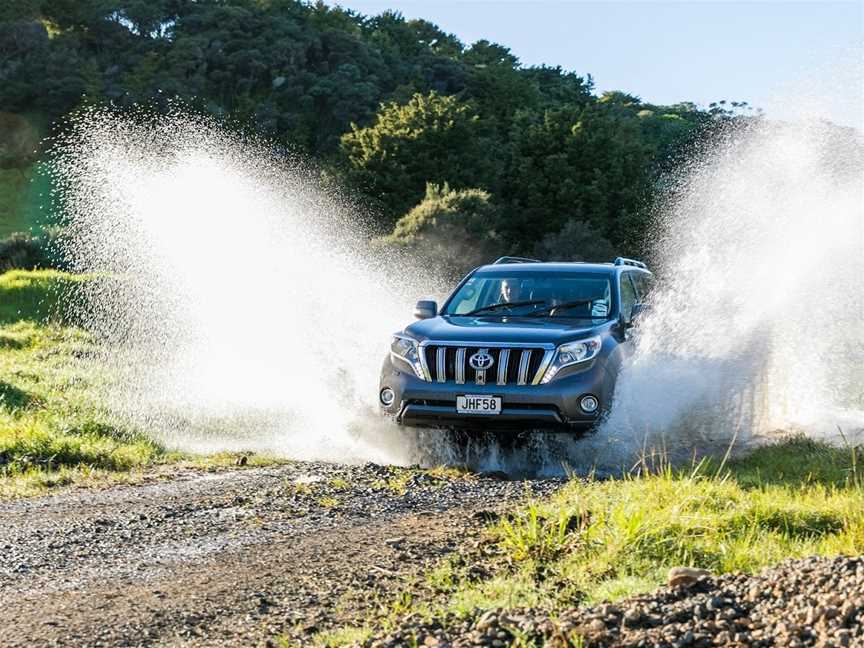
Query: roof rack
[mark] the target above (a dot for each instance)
(513, 259)
(630, 262)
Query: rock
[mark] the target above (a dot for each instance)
(597, 626)
(487, 620)
(685, 576)
(632, 617)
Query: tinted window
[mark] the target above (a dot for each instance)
(628, 295)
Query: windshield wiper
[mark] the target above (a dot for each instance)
(571, 304)
(503, 305)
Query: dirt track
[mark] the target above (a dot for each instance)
(231, 558)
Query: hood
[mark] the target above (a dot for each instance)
(518, 330)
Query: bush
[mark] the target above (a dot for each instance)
(22, 251)
(455, 230)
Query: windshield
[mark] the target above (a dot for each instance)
(536, 294)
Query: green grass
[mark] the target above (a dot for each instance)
(603, 540)
(36, 296)
(55, 429)
(341, 637)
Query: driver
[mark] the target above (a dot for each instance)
(511, 290)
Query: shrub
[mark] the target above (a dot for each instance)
(457, 230)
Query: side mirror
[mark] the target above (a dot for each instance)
(425, 309)
(636, 313)
(639, 310)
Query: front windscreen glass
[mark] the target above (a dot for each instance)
(536, 294)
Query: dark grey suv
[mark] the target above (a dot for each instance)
(518, 344)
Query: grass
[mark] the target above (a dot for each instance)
(54, 428)
(36, 295)
(341, 637)
(605, 540)
(53, 431)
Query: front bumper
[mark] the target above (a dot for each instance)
(419, 403)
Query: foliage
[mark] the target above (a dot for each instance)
(455, 228)
(387, 105)
(19, 141)
(577, 241)
(587, 164)
(21, 251)
(24, 251)
(432, 138)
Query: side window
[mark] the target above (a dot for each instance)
(628, 296)
(643, 286)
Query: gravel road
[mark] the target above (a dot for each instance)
(230, 558)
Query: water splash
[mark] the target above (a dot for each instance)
(759, 323)
(240, 308)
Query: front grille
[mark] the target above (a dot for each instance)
(510, 365)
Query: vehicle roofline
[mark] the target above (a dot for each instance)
(533, 267)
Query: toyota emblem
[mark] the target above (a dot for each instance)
(481, 360)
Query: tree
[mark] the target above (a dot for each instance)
(386, 103)
(577, 241)
(589, 164)
(432, 138)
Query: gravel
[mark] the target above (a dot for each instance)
(809, 602)
(231, 558)
(252, 556)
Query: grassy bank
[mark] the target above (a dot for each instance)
(606, 540)
(602, 540)
(54, 428)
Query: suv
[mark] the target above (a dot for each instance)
(518, 344)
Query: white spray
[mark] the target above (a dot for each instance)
(237, 306)
(758, 325)
(240, 307)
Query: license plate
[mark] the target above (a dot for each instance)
(471, 404)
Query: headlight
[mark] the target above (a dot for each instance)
(570, 354)
(405, 349)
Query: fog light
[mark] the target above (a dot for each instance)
(589, 404)
(387, 397)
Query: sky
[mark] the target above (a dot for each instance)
(790, 58)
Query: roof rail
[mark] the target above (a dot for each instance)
(630, 262)
(513, 259)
